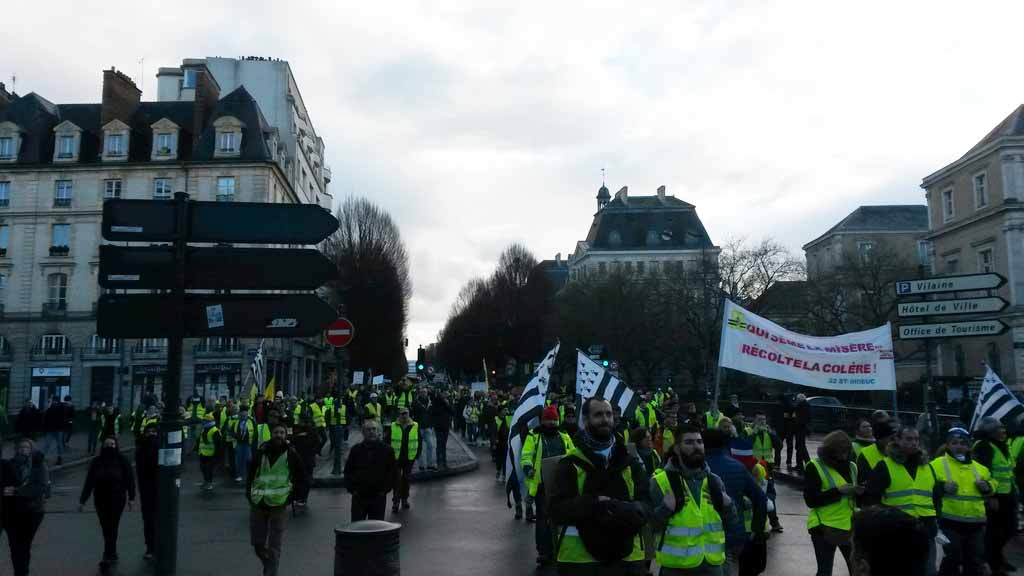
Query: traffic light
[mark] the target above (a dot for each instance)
(604, 362)
(421, 361)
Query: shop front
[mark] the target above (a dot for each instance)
(213, 380)
(147, 382)
(49, 382)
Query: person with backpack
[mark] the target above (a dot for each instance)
(690, 509)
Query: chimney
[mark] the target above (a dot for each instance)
(623, 194)
(207, 95)
(558, 258)
(661, 193)
(120, 97)
(5, 96)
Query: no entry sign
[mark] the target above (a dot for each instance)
(340, 333)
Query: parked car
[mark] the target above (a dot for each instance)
(827, 414)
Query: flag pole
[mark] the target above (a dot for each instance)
(718, 367)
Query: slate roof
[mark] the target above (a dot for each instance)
(1012, 125)
(556, 272)
(37, 117)
(648, 223)
(783, 298)
(895, 218)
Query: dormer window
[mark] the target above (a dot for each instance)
(6, 148)
(68, 136)
(115, 141)
(228, 141)
(10, 141)
(165, 140)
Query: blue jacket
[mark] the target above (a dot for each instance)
(738, 483)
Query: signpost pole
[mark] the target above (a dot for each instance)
(169, 480)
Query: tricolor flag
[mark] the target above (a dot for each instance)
(527, 417)
(593, 381)
(996, 400)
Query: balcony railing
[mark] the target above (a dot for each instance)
(225, 197)
(60, 250)
(55, 309)
(62, 202)
(234, 349)
(149, 349)
(41, 352)
(5, 202)
(105, 351)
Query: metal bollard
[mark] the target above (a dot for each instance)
(367, 548)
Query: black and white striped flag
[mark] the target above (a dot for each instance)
(593, 380)
(527, 417)
(258, 369)
(996, 400)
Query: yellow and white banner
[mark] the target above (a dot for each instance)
(855, 361)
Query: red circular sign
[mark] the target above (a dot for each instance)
(340, 333)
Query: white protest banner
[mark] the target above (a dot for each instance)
(856, 361)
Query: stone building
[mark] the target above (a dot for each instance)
(58, 164)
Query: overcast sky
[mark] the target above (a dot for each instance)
(477, 126)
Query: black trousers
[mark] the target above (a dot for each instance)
(206, 465)
(147, 497)
(825, 553)
(802, 457)
(965, 548)
(21, 530)
(403, 476)
(109, 514)
(442, 447)
(368, 506)
(1000, 527)
(542, 530)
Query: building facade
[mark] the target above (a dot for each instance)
(976, 223)
(900, 230)
(58, 164)
(642, 236)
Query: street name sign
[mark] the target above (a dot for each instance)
(340, 333)
(941, 284)
(951, 307)
(217, 222)
(215, 268)
(952, 329)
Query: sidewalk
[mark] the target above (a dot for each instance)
(76, 452)
(461, 459)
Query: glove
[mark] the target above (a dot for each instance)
(529, 472)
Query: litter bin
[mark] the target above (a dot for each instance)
(367, 548)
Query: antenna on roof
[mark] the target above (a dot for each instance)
(602, 176)
(142, 79)
(14, 83)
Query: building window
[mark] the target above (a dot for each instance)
(53, 344)
(947, 205)
(104, 345)
(227, 142)
(952, 266)
(61, 240)
(62, 194)
(5, 239)
(924, 253)
(980, 191)
(57, 291)
(5, 194)
(162, 189)
(111, 189)
(6, 148)
(225, 189)
(864, 250)
(115, 144)
(985, 261)
(153, 344)
(189, 80)
(66, 147)
(164, 143)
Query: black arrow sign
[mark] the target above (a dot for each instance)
(213, 222)
(271, 316)
(215, 268)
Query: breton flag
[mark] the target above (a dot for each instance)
(258, 369)
(996, 400)
(593, 381)
(526, 418)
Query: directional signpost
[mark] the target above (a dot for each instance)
(952, 329)
(965, 283)
(947, 307)
(178, 314)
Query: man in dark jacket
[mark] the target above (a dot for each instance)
(599, 526)
(53, 426)
(423, 414)
(28, 421)
(369, 474)
(147, 471)
(738, 484)
(802, 412)
(441, 415)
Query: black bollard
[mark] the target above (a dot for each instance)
(367, 548)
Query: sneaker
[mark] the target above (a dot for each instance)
(530, 516)
(519, 511)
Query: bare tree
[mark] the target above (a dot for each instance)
(747, 271)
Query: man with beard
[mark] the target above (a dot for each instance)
(147, 472)
(905, 480)
(277, 473)
(596, 503)
(692, 540)
(992, 452)
(546, 442)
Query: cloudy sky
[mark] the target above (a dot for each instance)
(478, 124)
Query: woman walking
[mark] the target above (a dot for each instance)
(111, 484)
(830, 487)
(26, 484)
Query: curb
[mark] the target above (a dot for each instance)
(424, 476)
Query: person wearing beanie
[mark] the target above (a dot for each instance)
(872, 454)
(546, 441)
(965, 487)
(991, 451)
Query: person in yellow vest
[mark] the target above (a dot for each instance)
(666, 436)
(991, 451)
(405, 395)
(389, 406)
(644, 415)
(275, 476)
(690, 509)
(404, 438)
(208, 446)
(243, 433)
(621, 429)
(547, 441)
(864, 437)
(872, 455)
(966, 485)
(830, 491)
(765, 446)
(229, 419)
(336, 416)
(372, 410)
(712, 419)
(905, 480)
(596, 503)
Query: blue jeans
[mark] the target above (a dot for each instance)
(243, 456)
(428, 455)
(57, 439)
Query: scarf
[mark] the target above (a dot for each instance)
(600, 449)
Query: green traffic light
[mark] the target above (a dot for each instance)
(419, 366)
(604, 363)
